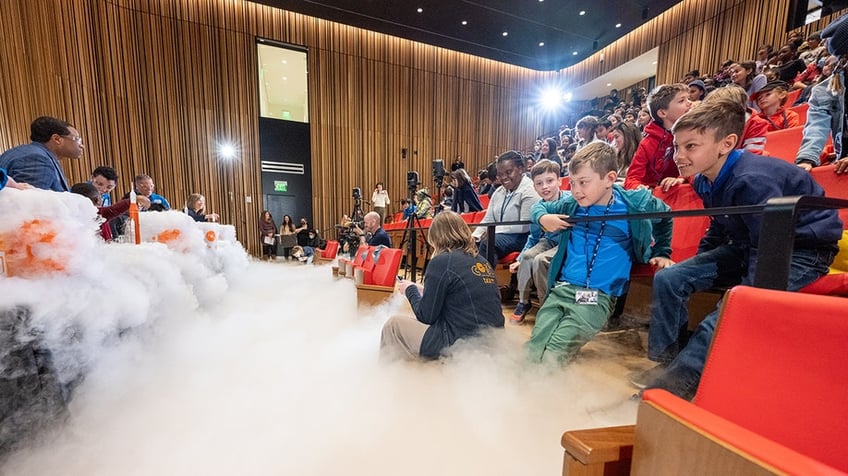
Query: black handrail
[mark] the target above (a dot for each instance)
(777, 230)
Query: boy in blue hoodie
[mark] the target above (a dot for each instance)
(705, 147)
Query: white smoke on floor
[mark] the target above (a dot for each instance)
(270, 369)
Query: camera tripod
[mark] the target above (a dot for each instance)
(356, 215)
(411, 239)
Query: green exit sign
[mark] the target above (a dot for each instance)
(281, 186)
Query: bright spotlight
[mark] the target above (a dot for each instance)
(550, 98)
(227, 151)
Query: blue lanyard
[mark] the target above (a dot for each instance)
(590, 263)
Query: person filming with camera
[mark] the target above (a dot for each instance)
(374, 229)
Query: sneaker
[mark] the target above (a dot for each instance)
(643, 378)
(521, 310)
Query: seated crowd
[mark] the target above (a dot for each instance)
(706, 132)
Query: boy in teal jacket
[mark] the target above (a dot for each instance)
(592, 266)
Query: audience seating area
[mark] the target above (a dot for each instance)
(771, 399)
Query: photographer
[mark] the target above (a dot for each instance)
(373, 227)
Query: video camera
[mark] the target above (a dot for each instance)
(439, 173)
(357, 193)
(412, 181)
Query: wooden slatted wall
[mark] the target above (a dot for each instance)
(698, 34)
(154, 85)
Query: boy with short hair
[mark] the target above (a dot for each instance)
(705, 144)
(652, 164)
(771, 100)
(104, 178)
(546, 181)
(592, 267)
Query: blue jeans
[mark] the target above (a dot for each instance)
(724, 266)
(684, 372)
(505, 243)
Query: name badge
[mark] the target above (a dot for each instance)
(586, 297)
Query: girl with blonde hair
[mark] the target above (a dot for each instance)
(458, 299)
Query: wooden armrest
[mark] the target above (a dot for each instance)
(369, 294)
(600, 445)
(598, 451)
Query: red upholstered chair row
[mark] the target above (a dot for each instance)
(774, 384)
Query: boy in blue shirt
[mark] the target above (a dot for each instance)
(546, 182)
(592, 265)
(705, 142)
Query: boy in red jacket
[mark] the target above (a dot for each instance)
(653, 163)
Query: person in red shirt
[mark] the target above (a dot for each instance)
(653, 164)
(753, 137)
(771, 100)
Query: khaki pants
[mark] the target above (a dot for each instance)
(402, 338)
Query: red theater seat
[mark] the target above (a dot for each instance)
(784, 144)
(330, 251)
(836, 282)
(484, 200)
(687, 232)
(801, 110)
(771, 399)
(775, 377)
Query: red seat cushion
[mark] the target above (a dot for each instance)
(510, 258)
(776, 366)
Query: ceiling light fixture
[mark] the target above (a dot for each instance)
(618, 25)
(582, 12)
(464, 22)
(574, 53)
(505, 33)
(420, 9)
(609, 84)
(541, 43)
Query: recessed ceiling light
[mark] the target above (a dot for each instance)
(285, 78)
(582, 12)
(420, 9)
(574, 53)
(618, 25)
(541, 43)
(505, 33)
(609, 84)
(285, 62)
(464, 22)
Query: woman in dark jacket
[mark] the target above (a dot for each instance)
(464, 197)
(459, 297)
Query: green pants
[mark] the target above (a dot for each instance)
(563, 326)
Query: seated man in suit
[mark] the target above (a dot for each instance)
(37, 163)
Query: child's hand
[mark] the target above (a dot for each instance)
(841, 166)
(669, 182)
(403, 284)
(659, 262)
(513, 268)
(551, 222)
